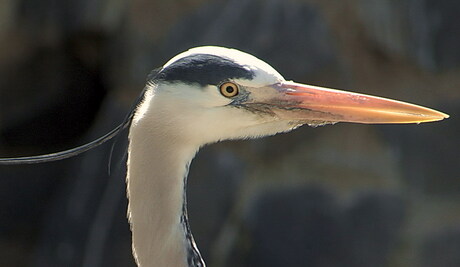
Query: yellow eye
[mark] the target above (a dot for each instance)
(229, 89)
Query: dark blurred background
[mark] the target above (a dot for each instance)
(342, 195)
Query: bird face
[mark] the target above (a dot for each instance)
(215, 93)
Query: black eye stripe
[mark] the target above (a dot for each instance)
(203, 69)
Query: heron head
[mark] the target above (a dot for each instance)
(214, 93)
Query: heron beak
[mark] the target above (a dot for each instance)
(306, 102)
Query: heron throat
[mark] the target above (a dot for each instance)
(157, 169)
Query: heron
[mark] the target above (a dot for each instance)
(205, 95)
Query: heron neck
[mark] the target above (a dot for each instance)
(157, 169)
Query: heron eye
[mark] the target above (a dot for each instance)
(229, 89)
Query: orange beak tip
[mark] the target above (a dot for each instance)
(325, 104)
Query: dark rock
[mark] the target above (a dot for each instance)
(56, 95)
(25, 193)
(434, 33)
(295, 227)
(424, 30)
(441, 249)
(307, 225)
(280, 32)
(429, 153)
(214, 174)
(376, 221)
(86, 225)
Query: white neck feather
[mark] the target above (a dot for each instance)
(157, 165)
